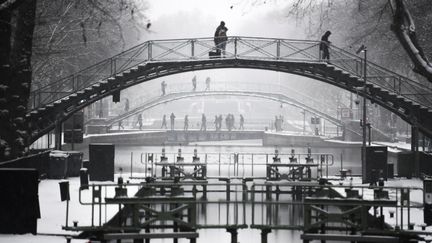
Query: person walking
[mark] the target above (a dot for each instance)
(207, 84)
(203, 123)
(220, 119)
(228, 122)
(324, 46)
(220, 38)
(241, 126)
(164, 122)
(186, 123)
(194, 83)
(163, 87)
(216, 120)
(172, 119)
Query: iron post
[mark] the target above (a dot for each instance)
(364, 126)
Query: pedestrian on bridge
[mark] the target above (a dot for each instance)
(194, 83)
(324, 46)
(163, 87)
(186, 123)
(241, 127)
(172, 118)
(216, 120)
(220, 38)
(140, 121)
(203, 123)
(120, 125)
(164, 122)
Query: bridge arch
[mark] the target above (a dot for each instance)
(402, 96)
(263, 95)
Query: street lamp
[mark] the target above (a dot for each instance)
(363, 124)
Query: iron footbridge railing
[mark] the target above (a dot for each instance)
(249, 48)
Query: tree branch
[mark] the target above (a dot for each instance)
(404, 28)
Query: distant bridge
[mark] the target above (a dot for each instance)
(263, 95)
(55, 102)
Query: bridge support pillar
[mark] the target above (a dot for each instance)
(264, 233)
(234, 234)
(58, 135)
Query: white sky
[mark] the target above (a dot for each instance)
(199, 18)
(177, 19)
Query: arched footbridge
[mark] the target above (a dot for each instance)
(262, 95)
(54, 103)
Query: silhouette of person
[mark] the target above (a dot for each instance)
(186, 123)
(140, 121)
(194, 83)
(203, 123)
(220, 38)
(241, 127)
(325, 45)
(216, 121)
(120, 125)
(163, 87)
(172, 118)
(164, 122)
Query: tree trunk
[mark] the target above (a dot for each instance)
(404, 28)
(15, 50)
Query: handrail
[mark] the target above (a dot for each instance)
(238, 47)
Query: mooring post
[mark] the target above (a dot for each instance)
(234, 234)
(264, 233)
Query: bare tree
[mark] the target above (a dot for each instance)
(69, 35)
(405, 30)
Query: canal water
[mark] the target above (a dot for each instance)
(131, 160)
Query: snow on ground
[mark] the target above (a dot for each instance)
(53, 212)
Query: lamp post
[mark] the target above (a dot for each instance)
(363, 123)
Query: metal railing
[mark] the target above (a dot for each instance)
(197, 49)
(236, 165)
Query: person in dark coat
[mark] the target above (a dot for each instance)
(220, 38)
(172, 118)
(324, 46)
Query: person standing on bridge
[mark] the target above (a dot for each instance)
(241, 126)
(220, 38)
(324, 46)
(203, 123)
(207, 84)
(220, 119)
(172, 118)
(216, 122)
(194, 83)
(140, 121)
(186, 123)
(163, 87)
(164, 122)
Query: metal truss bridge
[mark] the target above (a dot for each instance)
(55, 102)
